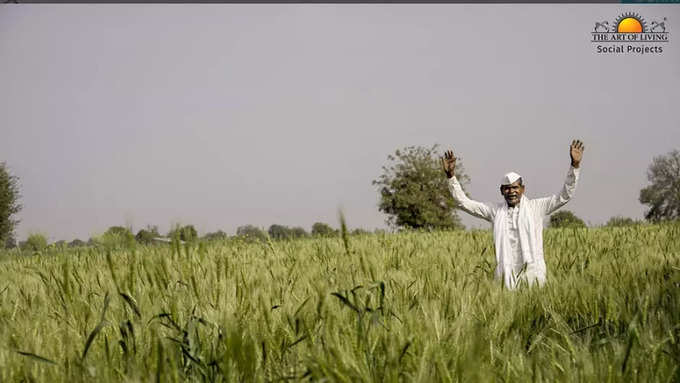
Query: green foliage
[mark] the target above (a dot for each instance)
(10, 242)
(663, 195)
(360, 231)
(414, 190)
(147, 235)
(406, 307)
(621, 221)
(9, 205)
(279, 232)
(298, 232)
(34, 243)
(115, 237)
(252, 233)
(185, 233)
(219, 235)
(76, 243)
(284, 232)
(565, 218)
(321, 229)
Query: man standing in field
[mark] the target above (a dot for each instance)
(517, 223)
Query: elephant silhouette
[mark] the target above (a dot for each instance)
(602, 25)
(656, 24)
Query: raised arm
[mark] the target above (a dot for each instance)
(554, 202)
(478, 209)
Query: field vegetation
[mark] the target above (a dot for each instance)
(410, 306)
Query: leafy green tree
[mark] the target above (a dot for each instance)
(298, 232)
(251, 232)
(185, 233)
(10, 242)
(34, 242)
(9, 205)
(565, 218)
(219, 235)
(118, 230)
(323, 230)
(279, 232)
(147, 235)
(115, 237)
(414, 190)
(663, 195)
(76, 243)
(620, 221)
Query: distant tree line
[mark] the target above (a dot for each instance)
(413, 194)
(122, 237)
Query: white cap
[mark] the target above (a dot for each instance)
(510, 178)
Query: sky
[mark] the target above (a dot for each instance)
(222, 115)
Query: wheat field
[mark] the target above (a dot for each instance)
(411, 307)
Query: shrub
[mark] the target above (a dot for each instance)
(250, 232)
(565, 218)
(76, 243)
(147, 235)
(620, 221)
(116, 237)
(219, 235)
(298, 232)
(323, 230)
(35, 243)
(185, 233)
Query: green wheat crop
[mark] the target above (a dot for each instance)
(414, 307)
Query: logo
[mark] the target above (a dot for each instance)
(630, 34)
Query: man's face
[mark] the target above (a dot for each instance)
(512, 193)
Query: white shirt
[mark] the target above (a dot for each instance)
(513, 224)
(540, 208)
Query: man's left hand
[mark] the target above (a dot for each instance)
(576, 152)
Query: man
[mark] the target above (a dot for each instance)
(517, 223)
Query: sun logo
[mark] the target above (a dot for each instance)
(630, 23)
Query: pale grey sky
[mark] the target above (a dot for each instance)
(224, 115)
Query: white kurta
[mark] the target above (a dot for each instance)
(518, 232)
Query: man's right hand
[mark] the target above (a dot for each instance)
(449, 163)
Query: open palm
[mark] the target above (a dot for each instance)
(576, 152)
(449, 163)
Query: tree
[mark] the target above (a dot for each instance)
(76, 243)
(251, 232)
(147, 235)
(118, 230)
(34, 242)
(10, 242)
(565, 218)
(620, 221)
(298, 232)
(279, 232)
(414, 190)
(185, 233)
(322, 229)
(115, 237)
(663, 195)
(9, 205)
(219, 235)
